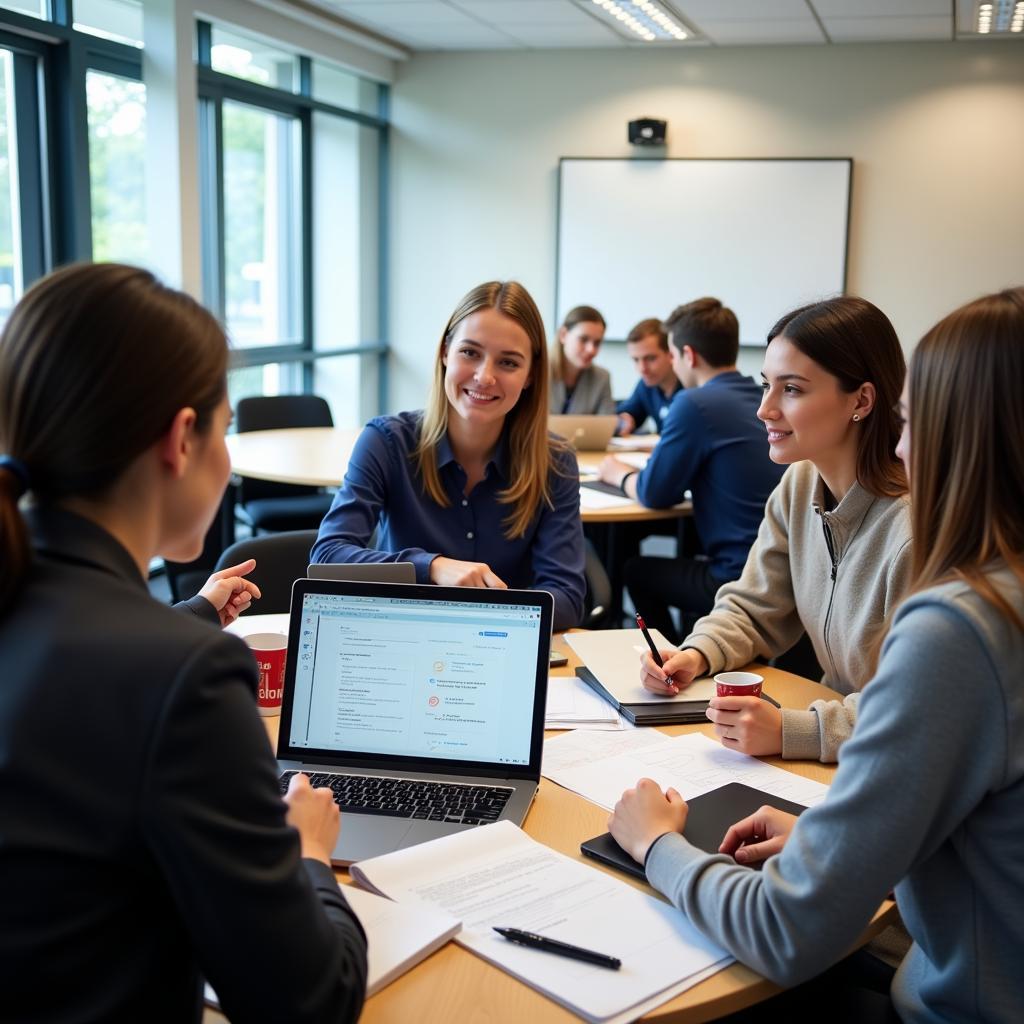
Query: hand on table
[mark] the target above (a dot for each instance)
(229, 592)
(612, 470)
(758, 837)
(450, 572)
(315, 816)
(626, 424)
(643, 814)
(747, 724)
(682, 666)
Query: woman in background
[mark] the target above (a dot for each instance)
(472, 490)
(578, 386)
(144, 844)
(929, 793)
(832, 556)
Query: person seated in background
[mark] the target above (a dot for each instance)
(711, 445)
(832, 556)
(472, 490)
(929, 793)
(144, 844)
(647, 345)
(578, 387)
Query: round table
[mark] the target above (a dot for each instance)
(455, 985)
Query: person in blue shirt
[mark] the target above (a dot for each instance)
(713, 445)
(472, 490)
(647, 345)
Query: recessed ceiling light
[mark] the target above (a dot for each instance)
(648, 19)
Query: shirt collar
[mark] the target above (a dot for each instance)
(499, 460)
(845, 519)
(67, 537)
(723, 378)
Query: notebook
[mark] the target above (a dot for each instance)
(372, 572)
(422, 707)
(709, 818)
(584, 433)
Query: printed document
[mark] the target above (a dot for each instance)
(497, 876)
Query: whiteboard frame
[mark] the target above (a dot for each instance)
(556, 319)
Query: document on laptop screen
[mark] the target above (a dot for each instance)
(421, 678)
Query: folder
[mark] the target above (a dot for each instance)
(671, 712)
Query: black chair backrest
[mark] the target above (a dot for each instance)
(278, 412)
(597, 602)
(281, 559)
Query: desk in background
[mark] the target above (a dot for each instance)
(454, 985)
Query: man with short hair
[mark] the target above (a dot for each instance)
(647, 345)
(713, 445)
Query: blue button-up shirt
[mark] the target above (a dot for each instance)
(648, 401)
(713, 444)
(382, 489)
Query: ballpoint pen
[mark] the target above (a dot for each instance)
(650, 643)
(547, 945)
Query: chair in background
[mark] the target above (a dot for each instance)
(281, 559)
(272, 507)
(597, 602)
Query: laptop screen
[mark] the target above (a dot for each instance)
(425, 678)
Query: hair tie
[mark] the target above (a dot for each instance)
(18, 470)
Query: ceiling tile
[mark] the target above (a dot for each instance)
(853, 9)
(744, 33)
(555, 36)
(405, 13)
(864, 30)
(740, 10)
(524, 12)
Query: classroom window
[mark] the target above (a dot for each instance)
(117, 139)
(342, 88)
(11, 282)
(119, 20)
(265, 379)
(262, 226)
(233, 53)
(33, 8)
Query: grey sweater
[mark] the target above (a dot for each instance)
(592, 395)
(837, 574)
(930, 795)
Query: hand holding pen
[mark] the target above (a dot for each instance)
(668, 671)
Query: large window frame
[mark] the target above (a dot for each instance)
(214, 89)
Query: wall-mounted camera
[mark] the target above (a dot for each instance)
(647, 131)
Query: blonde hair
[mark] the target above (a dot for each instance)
(526, 425)
(966, 425)
(576, 315)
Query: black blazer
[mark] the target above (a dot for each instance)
(142, 835)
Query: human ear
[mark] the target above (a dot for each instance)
(175, 446)
(865, 401)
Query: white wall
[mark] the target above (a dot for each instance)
(935, 131)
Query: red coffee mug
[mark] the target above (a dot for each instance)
(270, 650)
(738, 684)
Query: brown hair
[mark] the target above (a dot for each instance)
(95, 361)
(645, 329)
(576, 315)
(966, 426)
(526, 424)
(709, 328)
(855, 342)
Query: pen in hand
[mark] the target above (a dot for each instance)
(650, 643)
(547, 945)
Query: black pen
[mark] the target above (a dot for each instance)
(535, 941)
(650, 643)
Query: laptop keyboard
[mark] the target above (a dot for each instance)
(411, 798)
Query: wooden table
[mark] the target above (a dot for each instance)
(318, 456)
(453, 985)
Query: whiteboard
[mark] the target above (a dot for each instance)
(636, 238)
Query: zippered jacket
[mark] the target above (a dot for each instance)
(836, 575)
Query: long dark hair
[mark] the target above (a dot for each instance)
(95, 361)
(856, 342)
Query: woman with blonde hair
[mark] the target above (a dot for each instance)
(578, 386)
(929, 793)
(472, 490)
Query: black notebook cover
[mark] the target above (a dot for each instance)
(669, 712)
(710, 817)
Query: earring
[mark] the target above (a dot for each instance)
(856, 417)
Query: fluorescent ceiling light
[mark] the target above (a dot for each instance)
(647, 19)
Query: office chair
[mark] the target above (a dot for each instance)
(281, 559)
(597, 602)
(272, 507)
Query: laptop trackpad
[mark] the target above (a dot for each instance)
(369, 835)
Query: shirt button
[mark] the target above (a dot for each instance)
(469, 536)
(464, 503)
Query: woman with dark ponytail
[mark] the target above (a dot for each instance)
(144, 843)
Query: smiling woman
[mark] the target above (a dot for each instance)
(472, 490)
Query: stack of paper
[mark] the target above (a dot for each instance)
(574, 705)
(601, 766)
(591, 499)
(498, 877)
(634, 442)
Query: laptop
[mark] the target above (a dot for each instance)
(585, 433)
(422, 707)
(372, 572)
